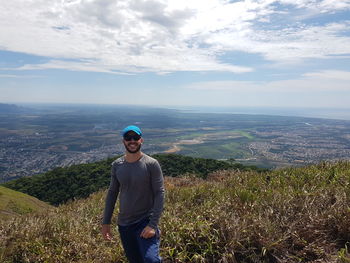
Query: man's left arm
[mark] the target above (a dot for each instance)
(157, 183)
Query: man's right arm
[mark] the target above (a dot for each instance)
(111, 199)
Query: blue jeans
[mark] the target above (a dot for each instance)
(137, 248)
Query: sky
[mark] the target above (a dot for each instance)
(251, 53)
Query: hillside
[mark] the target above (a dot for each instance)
(290, 215)
(78, 181)
(10, 108)
(13, 203)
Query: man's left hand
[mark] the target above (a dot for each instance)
(148, 232)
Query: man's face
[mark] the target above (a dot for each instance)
(132, 142)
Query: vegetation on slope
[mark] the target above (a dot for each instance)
(175, 164)
(79, 181)
(13, 203)
(289, 215)
(62, 184)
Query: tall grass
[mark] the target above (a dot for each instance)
(289, 215)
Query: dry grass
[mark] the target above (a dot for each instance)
(290, 215)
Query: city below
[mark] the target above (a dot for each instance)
(37, 139)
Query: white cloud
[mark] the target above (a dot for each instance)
(166, 36)
(330, 75)
(13, 76)
(322, 6)
(328, 80)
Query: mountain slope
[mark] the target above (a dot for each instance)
(13, 203)
(287, 216)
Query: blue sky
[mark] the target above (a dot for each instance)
(275, 53)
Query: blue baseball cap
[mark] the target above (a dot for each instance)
(133, 128)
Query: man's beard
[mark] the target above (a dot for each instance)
(132, 151)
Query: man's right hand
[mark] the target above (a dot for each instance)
(106, 232)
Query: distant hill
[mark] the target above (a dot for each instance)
(284, 216)
(78, 181)
(13, 203)
(10, 108)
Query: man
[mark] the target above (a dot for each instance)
(138, 180)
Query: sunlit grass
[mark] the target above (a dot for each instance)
(13, 203)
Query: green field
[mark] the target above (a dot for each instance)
(225, 149)
(246, 134)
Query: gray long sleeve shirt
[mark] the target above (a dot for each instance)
(140, 188)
